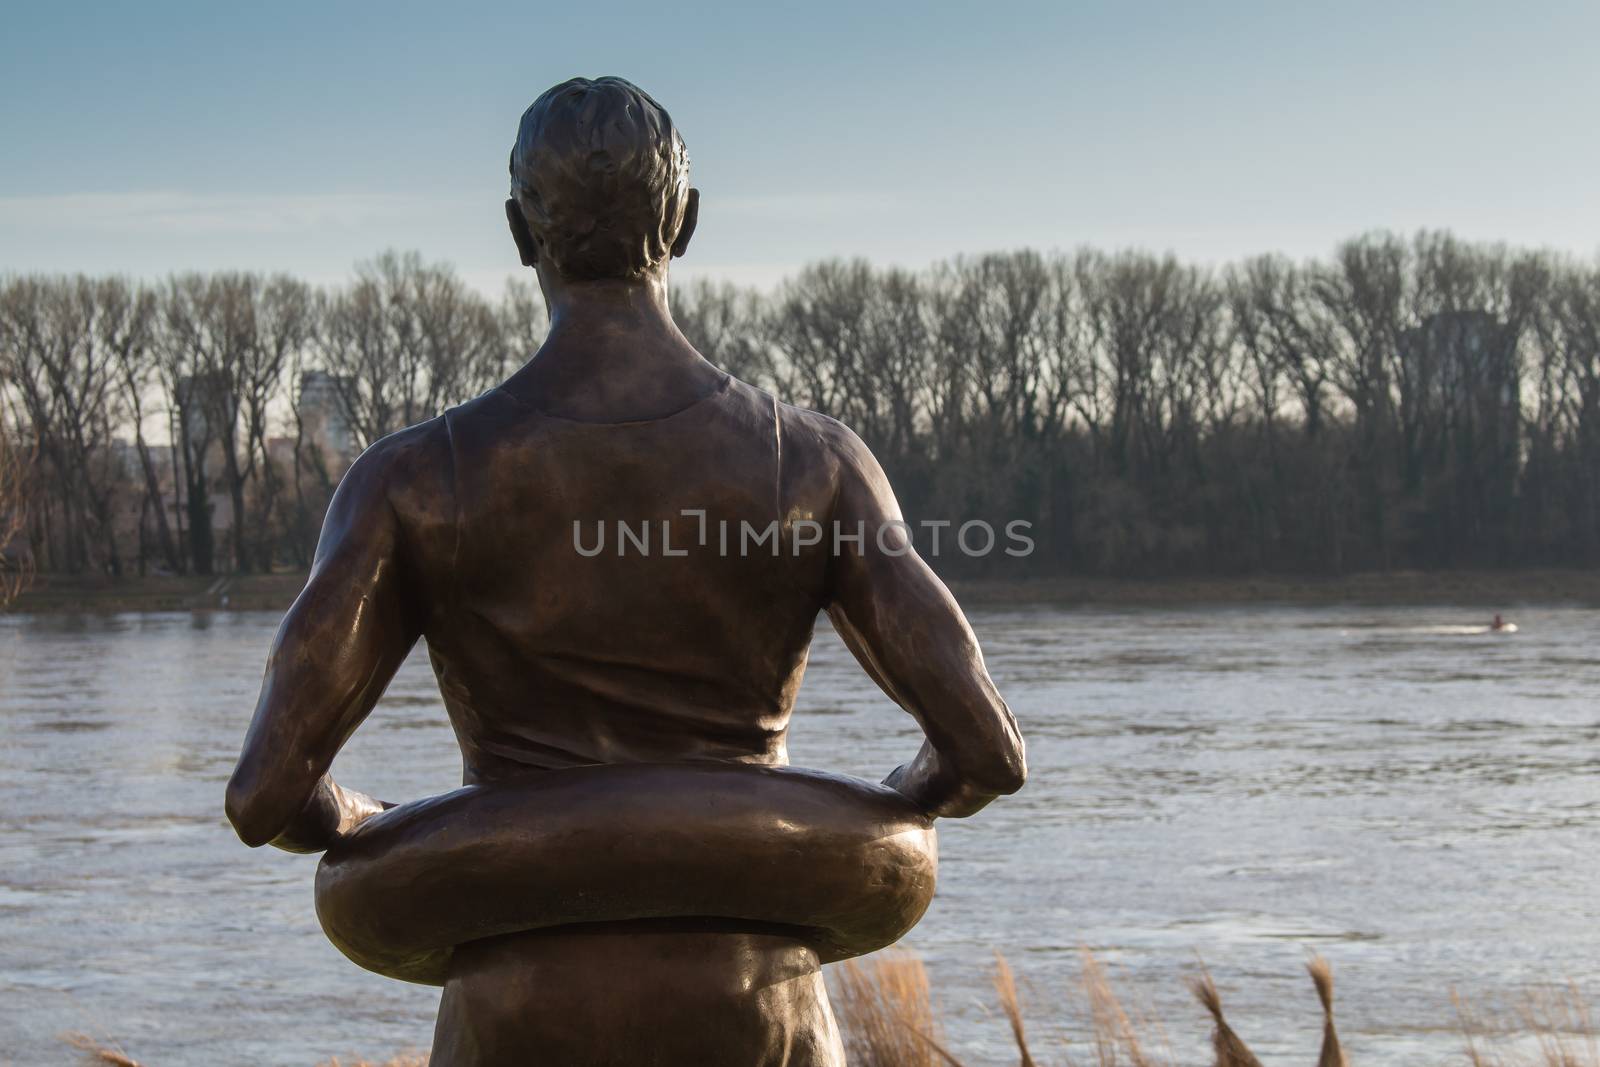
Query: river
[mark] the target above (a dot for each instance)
(1415, 799)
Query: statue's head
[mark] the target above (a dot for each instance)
(600, 183)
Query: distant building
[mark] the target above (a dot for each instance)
(325, 417)
(134, 525)
(199, 395)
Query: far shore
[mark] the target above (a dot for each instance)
(1482, 591)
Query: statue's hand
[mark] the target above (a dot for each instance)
(330, 813)
(897, 779)
(913, 783)
(929, 783)
(922, 781)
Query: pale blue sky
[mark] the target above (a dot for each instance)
(144, 138)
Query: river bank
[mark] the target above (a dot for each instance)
(69, 594)
(1484, 591)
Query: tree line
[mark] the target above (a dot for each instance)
(169, 397)
(1413, 402)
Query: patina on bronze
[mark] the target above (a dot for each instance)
(630, 874)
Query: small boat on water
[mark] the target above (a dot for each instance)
(1380, 629)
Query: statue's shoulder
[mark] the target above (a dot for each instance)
(833, 443)
(412, 470)
(801, 429)
(417, 451)
(819, 452)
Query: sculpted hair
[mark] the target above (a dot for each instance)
(602, 178)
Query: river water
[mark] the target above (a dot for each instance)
(1414, 799)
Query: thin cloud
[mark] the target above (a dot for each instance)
(802, 206)
(170, 213)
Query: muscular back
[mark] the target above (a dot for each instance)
(623, 592)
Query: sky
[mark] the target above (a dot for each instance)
(156, 137)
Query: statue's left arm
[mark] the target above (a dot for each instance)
(336, 650)
(908, 633)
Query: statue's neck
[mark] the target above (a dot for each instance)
(611, 307)
(613, 353)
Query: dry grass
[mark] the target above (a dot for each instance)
(886, 1012)
(888, 1018)
(95, 1051)
(1005, 987)
(1549, 1027)
(1117, 1036)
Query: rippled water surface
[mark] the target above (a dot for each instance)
(1415, 799)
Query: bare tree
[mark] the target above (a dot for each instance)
(1288, 345)
(1568, 450)
(461, 337)
(311, 477)
(726, 324)
(190, 346)
(524, 321)
(128, 324)
(16, 467)
(66, 378)
(281, 328)
(1287, 338)
(818, 322)
(1366, 293)
(405, 340)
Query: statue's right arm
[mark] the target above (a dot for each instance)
(909, 634)
(336, 650)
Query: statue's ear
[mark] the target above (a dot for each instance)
(691, 217)
(527, 248)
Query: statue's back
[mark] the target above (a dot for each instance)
(628, 591)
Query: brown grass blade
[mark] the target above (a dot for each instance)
(1322, 977)
(1115, 1036)
(1231, 1050)
(96, 1052)
(1005, 984)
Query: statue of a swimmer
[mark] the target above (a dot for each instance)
(631, 874)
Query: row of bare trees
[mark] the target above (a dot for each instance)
(1405, 403)
(145, 407)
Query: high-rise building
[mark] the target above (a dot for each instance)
(325, 417)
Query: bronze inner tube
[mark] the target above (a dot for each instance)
(847, 867)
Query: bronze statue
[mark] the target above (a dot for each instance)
(631, 873)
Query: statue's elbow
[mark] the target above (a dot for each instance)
(252, 819)
(1006, 771)
(1019, 775)
(1011, 774)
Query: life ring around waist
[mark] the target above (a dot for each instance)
(846, 865)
